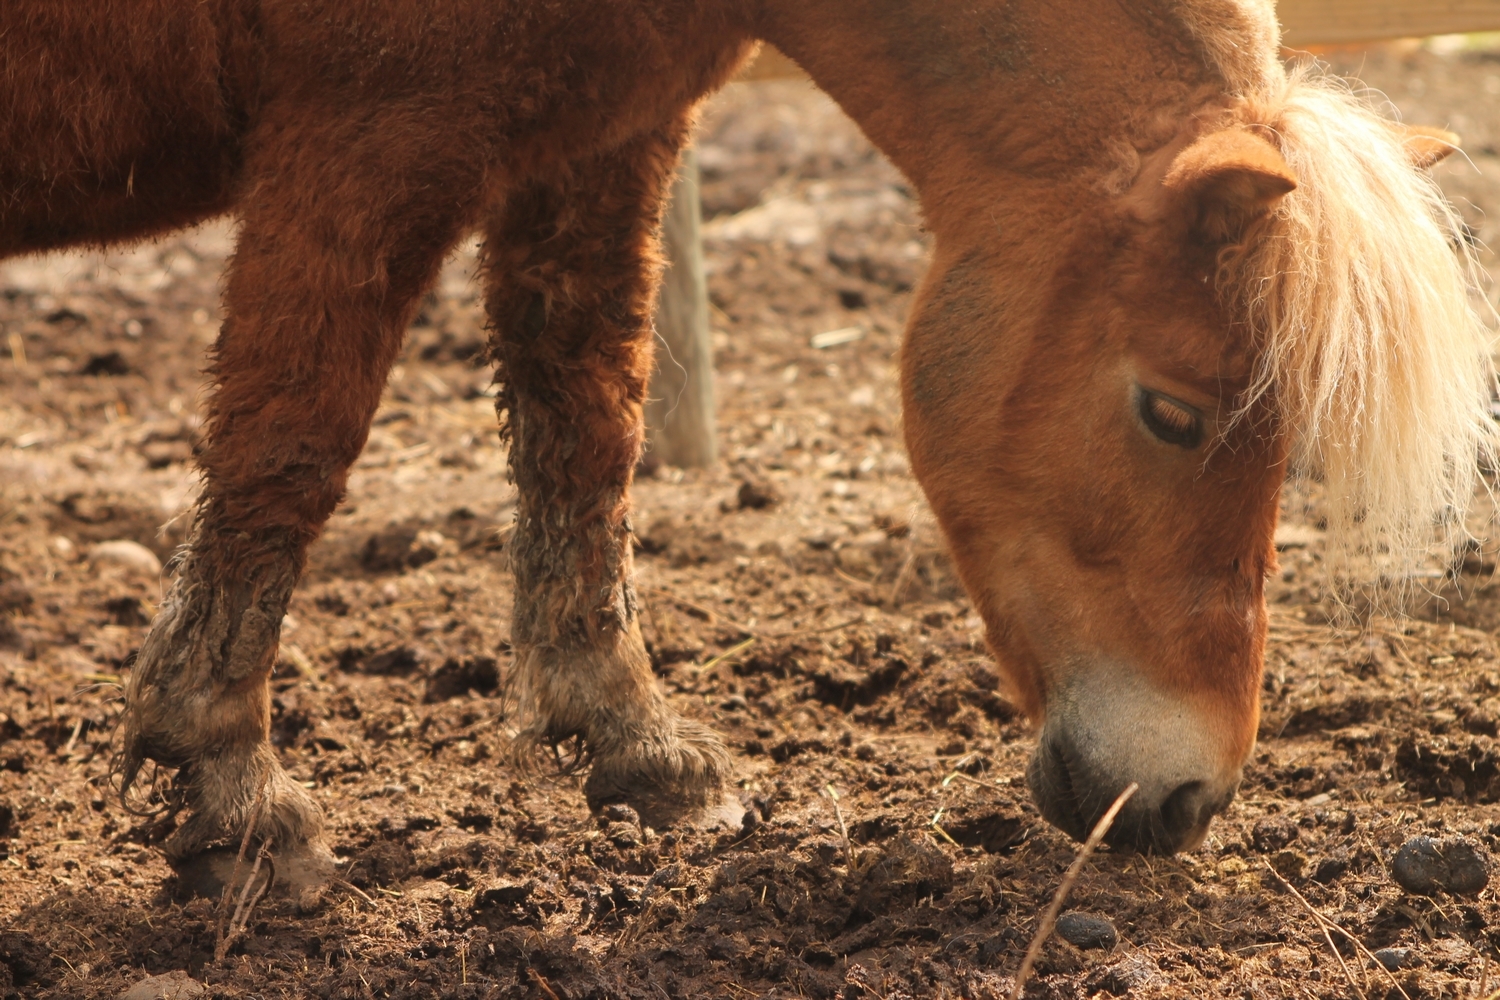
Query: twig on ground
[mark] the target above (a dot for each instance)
(903, 577)
(1049, 918)
(357, 891)
(239, 923)
(77, 728)
(1332, 926)
(936, 817)
(225, 917)
(833, 796)
(541, 983)
(732, 651)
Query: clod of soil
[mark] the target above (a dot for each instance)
(1394, 959)
(1085, 930)
(758, 495)
(170, 986)
(1133, 973)
(1455, 864)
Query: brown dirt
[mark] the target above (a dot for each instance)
(811, 617)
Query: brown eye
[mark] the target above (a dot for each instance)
(1171, 421)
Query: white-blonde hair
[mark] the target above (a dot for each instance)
(1364, 296)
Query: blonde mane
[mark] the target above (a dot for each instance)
(1364, 295)
(1363, 292)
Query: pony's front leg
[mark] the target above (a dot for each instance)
(572, 265)
(331, 258)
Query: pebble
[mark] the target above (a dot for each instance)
(169, 986)
(126, 554)
(1394, 958)
(1084, 930)
(1454, 864)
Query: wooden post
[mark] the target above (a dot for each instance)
(680, 406)
(1341, 22)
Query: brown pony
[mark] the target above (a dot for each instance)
(1163, 269)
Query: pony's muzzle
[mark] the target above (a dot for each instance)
(1090, 751)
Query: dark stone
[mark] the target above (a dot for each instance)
(1454, 864)
(1395, 958)
(1085, 930)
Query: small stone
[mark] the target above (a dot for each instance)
(1084, 930)
(1394, 958)
(1454, 864)
(176, 985)
(128, 555)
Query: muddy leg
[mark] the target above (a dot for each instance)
(329, 264)
(572, 265)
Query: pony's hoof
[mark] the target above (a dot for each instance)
(679, 780)
(301, 873)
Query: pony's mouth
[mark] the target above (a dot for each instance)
(1073, 797)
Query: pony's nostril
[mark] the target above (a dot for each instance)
(1188, 810)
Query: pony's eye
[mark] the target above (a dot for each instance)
(1171, 421)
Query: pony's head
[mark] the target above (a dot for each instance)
(1102, 411)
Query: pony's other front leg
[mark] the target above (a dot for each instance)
(328, 267)
(571, 266)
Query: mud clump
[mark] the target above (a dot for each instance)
(1085, 930)
(1424, 866)
(907, 871)
(1443, 767)
(456, 678)
(1395, 959)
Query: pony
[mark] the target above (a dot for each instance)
(1165, 270)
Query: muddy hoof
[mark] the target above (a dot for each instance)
(299, 874)
(680, 781)
(665, 812)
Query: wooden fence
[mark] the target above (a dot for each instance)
(680, 419)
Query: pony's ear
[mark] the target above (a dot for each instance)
(1228, 179)
(1427, 147)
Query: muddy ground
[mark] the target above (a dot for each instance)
(812, 618)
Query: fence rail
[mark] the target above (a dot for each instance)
(1340, 22)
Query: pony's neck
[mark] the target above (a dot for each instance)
(960, 92)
